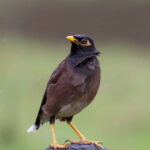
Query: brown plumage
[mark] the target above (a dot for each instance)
(72, 86)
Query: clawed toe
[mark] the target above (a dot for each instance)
(85, 141)
(55, 146)
(97, 143)
(70, 141)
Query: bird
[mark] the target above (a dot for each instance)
(71, 87)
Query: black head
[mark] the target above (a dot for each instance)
(82, 44)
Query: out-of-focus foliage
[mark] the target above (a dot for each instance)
(119, 115)
(107, 21)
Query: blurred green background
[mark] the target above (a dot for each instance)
(32, 44)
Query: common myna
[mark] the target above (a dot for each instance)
(72, 86)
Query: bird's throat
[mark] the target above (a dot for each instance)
(75, 60)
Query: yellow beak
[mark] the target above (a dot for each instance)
(71, 38)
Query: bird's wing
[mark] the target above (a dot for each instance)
(56, 74)
(53, 79)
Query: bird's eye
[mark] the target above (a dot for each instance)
(84, 41)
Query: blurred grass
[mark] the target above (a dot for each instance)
(119, 115)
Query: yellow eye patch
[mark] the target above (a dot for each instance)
(83, 42)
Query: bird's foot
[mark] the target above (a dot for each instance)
(85, 141)
(97, 143)
(56, 145)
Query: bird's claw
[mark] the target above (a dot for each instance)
(85, 141)
(70, 141)
(97, 143)
(56, 145)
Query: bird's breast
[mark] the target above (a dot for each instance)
(73, 108)
(85, 89)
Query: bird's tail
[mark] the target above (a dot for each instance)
(39, 119)
(33, 128)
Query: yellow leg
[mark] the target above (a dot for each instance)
(82, 138)
(80, 135)
(55, 144)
